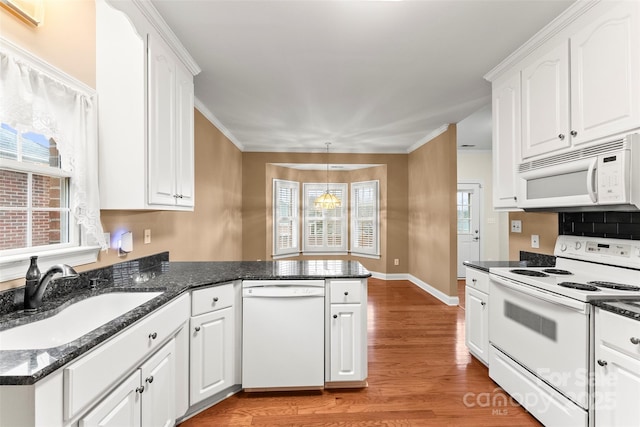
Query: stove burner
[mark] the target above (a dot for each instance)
(529, 273)
(580, 286)
(612, 285)
(557, 271)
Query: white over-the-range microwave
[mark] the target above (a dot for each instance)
(604, 176)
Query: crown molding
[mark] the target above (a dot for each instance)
(214, 120)
(160, 25)
(434, 134)
(567, 17)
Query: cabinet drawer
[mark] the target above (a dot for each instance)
(95, 373)
(619, 332)
(477, 279)
(345, 291)
(211, 299)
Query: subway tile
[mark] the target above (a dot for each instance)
(593, 217)
(633, 229)
(581, 227)
(635, 217)
(610, 229)
(623, 217)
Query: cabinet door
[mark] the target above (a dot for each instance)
(477, 323)
(506, 140)
(162, 131)
(346, 345)
(545, 103)
(212, 353)
(184, 137)
(605, 75)
(121, 407)
(617, 388)
(158, 380)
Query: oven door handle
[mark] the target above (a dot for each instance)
(541, 294)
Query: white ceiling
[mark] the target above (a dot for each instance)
(369, 76)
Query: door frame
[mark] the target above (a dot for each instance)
(480, 185)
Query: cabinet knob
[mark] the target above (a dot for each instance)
(635, 340)
(180, 196)
(149, 379)
(602, 362)
(153, 335)
(515, 198)
(574, 133)
(215, 299)
(175, 196)
(482, 303)
(140, 389)
(346, 293)
(561, 136)
(197, 328)
(335, 316)
(474, 280)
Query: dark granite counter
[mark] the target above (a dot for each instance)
(626, 308)
(486, 265)
(527, 259)
(24, 367)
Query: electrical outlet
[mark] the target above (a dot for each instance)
(516, 226)
(535, 241)
(147, 236)
(396, 261)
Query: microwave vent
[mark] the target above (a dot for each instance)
(576, 154)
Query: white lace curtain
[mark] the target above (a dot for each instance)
(33, 100)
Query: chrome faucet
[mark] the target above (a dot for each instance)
(33, 292)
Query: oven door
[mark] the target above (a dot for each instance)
(545, 333)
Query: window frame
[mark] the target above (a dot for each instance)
(294, 249)
(325, 249)
(373, 252)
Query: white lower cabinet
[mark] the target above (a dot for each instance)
(146, 398)
(214, 335)
(476, 315)
(346, 343)
(617, 370)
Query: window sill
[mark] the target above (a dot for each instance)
(15, 266)
(361, 255)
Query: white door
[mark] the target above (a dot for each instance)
(345, 342)
(469, 209)
(120, 408)
(158, 379)
(617, 388)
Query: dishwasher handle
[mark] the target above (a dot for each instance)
(282, 292)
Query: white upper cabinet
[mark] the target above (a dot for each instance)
(605, 74)
(545, 103)
(506, 139)
(144, 79)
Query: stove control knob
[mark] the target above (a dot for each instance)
(563, 247)
(578, 245)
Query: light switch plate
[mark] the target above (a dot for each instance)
(516, 226)
(535, 241)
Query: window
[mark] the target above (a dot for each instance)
(325, 230)
(464, 212)
(34, 202)
(285, 217)
(49, 199)
(365, 224)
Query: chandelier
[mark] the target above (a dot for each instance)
(327, 200)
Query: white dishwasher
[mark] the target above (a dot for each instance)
(282, 334)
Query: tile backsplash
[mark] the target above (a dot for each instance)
(612, 225)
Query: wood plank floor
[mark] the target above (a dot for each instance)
(420, 374)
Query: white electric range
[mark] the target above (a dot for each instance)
(540, 324)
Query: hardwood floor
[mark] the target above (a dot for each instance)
(420, 374)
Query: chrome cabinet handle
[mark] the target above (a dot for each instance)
(574, 133)
(602, 362)
(561, 136)
(149, 379)
(335, 316)
(153, 335)
(140, 389)
(215, 299)
(635, 340)
(197, 328)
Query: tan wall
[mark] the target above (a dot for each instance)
(213, 231)
(432, 207)
(256, 192)
(544, 224)
(66, 39)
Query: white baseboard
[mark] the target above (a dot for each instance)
(448, 300)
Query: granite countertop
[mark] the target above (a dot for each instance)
(486, 265)
(626, 308)
(24, 367)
